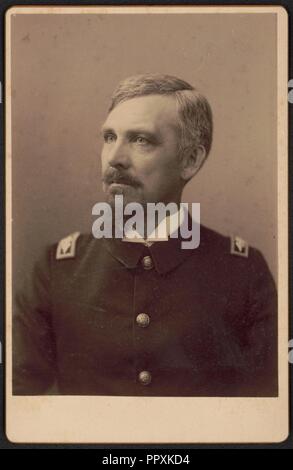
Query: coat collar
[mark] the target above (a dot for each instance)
(166, 255)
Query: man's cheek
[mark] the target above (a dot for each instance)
(104, 157)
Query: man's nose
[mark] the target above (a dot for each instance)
(119, 155)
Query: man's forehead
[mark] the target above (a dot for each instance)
(151, 111)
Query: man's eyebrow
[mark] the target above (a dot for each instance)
(133, 132)
(107, 130)
(141, 130)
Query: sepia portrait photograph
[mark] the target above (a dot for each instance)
(146, 224)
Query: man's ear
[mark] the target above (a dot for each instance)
(192, 161)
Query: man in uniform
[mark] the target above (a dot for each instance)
(147, 318)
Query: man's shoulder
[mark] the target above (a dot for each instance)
(230, 263)
(233, 245)
(73, 246)
(232, 251)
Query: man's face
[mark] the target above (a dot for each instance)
(140, 157)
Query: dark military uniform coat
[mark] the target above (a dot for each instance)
(209, 323)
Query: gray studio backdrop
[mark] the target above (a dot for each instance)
(64, 69)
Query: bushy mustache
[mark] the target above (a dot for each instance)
(113, 175)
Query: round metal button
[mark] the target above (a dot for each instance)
(143, 320)
(147, 263)
(145, 377)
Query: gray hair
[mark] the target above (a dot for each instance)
(195, 114)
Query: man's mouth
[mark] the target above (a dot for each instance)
(119, 182)
(119, 186)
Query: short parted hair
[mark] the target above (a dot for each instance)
(194, 111)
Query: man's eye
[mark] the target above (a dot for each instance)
(141, 140)
(109, 138)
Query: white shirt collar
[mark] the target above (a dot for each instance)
(163, 231)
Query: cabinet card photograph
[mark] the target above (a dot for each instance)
(146, 224)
